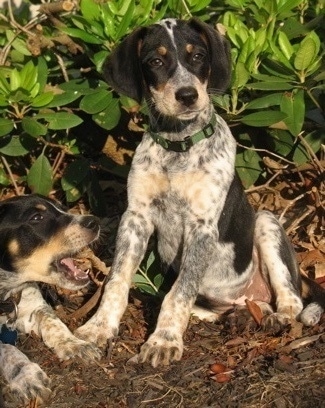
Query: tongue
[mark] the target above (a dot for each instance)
(74, 272)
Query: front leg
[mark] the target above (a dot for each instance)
(166, 343)
(34, 314)
(132, 239)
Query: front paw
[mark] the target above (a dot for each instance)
(162, 347)
(275, 323)
(29, 382)
(73, 347)
(96, 331)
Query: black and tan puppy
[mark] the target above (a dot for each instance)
(38, 240)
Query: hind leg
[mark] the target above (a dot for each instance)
(281, 269)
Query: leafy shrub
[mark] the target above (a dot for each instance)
(50, 83)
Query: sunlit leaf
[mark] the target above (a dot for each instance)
(265, 118)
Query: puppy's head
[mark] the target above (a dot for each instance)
(38, 240)
(171, 64)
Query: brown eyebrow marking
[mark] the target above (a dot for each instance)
(40, 207)
(189, 48)
(162, 50)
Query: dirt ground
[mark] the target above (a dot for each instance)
(261, 370)
(227, 364)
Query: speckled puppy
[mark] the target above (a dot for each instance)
(37, 241)
(183, 185)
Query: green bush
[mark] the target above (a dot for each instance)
(50, 82)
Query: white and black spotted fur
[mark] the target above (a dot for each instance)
(223, 252)
(37, 240)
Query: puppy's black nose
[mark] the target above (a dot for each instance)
(90, 222)
(187, 95)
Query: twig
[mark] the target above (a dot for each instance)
(61, 64)
(290, 204)
(296, 223)
(265, 151)
(265, 185)
(311, 152)
(88, 306)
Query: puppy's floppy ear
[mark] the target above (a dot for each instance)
(219, 51)
(122, 69)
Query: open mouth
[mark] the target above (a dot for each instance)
(71, 270)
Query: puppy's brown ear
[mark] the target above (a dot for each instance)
(122, 69)
(219, 51)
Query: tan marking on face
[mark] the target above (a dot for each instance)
(37, 267)
(162, 50)
(189, 48)
(40, 207)
(13, 247)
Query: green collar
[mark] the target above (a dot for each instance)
(189, 141)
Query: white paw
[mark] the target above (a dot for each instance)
(162, 347)
(97, 332)
(28, 381)
(73, 347)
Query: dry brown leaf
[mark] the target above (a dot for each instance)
(255, 311)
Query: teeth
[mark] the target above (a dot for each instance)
(87, 271)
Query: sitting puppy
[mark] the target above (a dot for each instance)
(37, 242)
(183, 186)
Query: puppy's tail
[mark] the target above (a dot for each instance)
(314, 296)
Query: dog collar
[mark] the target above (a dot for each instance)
(189, 141)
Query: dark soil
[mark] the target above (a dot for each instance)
(262, 370)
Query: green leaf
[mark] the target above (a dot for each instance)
(74, 174)
(83, 35)
(90, 9)
(109, 117)
(265, 101)
(285, 45)
(96, 102)
(293, 105)
(60, 120)
(240, 75)
(14, 80)
(315, 140)
(6, 126)
(39, 177)
(33, 127)
(16, 145)
(4, 179)
(306, 53)
(270, 86)
(42, 100)
(265, 118)
(247, 162)
(4, 85)
(126, 20)
(63, 99)
(28, 76)
(42, 74)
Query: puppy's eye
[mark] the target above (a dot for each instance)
(198, 57)
(156, 62)
(36, 217)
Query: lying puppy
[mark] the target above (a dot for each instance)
(183, 185)
(37, 242)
